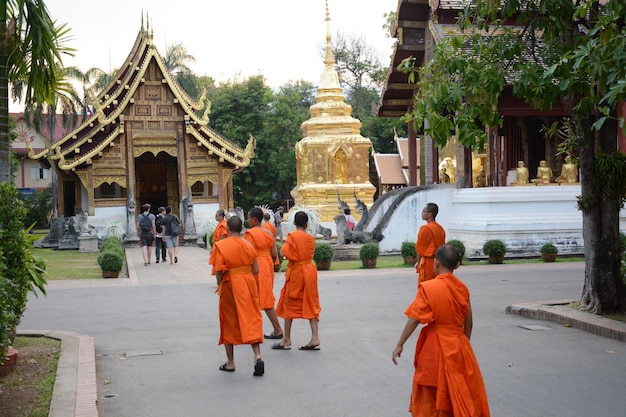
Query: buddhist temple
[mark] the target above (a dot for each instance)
(145, 143)
(332, 159)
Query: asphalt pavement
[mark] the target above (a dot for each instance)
(155, 346)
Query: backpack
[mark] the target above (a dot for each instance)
(145, 223)
(158, 222)
(174, 227)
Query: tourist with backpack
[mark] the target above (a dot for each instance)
(147, 232)
(171, 223)
(161, 246)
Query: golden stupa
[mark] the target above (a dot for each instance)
(333, 157)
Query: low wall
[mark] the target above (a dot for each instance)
(523, 217)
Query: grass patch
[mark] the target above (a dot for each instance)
(69, 264)
(28, 389)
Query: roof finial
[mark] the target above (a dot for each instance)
(142, 19)
(329, 60)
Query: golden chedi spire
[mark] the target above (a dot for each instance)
(333, 157)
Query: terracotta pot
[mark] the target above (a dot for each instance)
(110, 274)
(9, 362)
(369, 263)
(496, 259)
(549, 257)
(410, 260)
(322, 265)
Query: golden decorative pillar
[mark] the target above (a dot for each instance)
(333, 158)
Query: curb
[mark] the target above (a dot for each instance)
(75, 391)
(559, 312)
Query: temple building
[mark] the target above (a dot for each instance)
(332, 159)
(392, 169)
(419, 25)
(145, 143)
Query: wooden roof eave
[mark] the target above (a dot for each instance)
(66, 166)
(241, 158)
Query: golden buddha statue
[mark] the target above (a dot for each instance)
(569, 172)
(481, 179)
(521, 174)
(544, 173)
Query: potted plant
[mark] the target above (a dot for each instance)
(368, 254)
(111, 263)
(495, 249)
(549, 252)
(459, 246)
(407, 250)
(324, 253)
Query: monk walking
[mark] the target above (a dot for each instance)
(299, 298)
(264, 242)
(447, 381)
(220, 230)
(240, 316)
(429, 238)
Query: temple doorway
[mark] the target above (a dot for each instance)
(156, 181)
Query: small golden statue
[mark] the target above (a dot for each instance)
(569, 172)
(481, 179)
(544, 173)
(521, 174)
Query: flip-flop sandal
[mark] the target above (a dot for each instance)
(307, 347)
(259, 368)
(273, 336)
(225, 369)
(278, 346)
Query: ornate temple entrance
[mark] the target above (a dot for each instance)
(156, 181)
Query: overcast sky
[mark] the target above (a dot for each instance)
(277, 38)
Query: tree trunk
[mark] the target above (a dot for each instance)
(603, 280)
(5, 141)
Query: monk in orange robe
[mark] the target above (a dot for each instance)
(264, 242)
(240, 316)
(268, 224)
(220, 231)
(447, 381)
(299, 298)
(429, 238)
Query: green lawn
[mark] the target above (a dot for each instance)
(69, 264)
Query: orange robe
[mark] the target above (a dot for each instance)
(447, 380)
(263, 241)
(220, 231)
(299, 298)
(269, 226)
(429, 238)
(240, 317)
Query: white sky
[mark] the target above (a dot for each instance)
(277, 38)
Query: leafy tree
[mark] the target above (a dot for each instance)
(287, 111)
(39, 208)
(572, 52)
(33, 44)
(362, 76)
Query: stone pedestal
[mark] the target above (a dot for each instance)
(347, 252)
(88, 244)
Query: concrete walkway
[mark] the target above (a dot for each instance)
(75, 389)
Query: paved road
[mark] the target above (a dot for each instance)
(157, 355)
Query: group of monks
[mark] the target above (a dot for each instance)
(447, 380)
(244, 269)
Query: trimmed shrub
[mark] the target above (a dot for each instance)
(494, 248)
(324, 252)
(369, 251)
(459, 246)
(408, 249)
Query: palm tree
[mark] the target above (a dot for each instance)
(32, 44)
(66, 100)
(176, 60)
